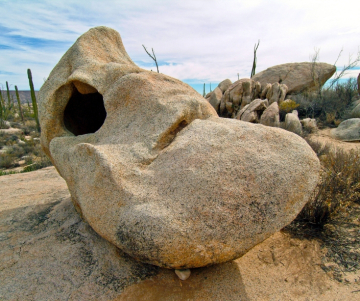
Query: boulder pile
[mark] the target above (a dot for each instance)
(153, 169)
(235, 100)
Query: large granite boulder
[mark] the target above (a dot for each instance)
(297, 77)
(153, 169)
(348, 130)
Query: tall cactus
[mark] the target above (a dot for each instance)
(33, 99)
(204, 91)
(8, 94)
(255, 59)
(19, 103)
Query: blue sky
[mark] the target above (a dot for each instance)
(195, 41)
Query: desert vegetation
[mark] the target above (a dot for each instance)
(330, 105)
(20, 149)
(332, 213)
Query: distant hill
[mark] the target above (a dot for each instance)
(24, 95)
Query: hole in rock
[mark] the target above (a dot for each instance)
(84, 113)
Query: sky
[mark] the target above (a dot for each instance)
(195, 41)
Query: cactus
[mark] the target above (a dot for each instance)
(204, 91)
(19, 103)
(5, 109)
(8, 94)
(210, 87)
(33, 99)
(255, 59)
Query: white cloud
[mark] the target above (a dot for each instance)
(199, 40)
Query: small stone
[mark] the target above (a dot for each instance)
(183, 274)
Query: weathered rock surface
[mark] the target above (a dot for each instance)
(348, 130)
(224, 85)
(48, 253)
(292, 123)
(215, 98)
(276, 93)
(355, 112)
(254, 110)
(155, 171)
(296, 76)
(270, 116)
(238, 95)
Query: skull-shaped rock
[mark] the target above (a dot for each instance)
(154, 170)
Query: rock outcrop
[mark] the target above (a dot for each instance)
(238, 95)
(224, 85)
(215, 98)
(276, 93)
(297, 77)
(270, 116)
(154, 170)
(348, 130)
(253, 111)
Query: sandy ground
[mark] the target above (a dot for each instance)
(280, 268)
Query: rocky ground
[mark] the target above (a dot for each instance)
(48, 253)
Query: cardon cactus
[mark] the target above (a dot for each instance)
(33, 99)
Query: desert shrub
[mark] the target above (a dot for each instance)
(288, 106)
(332, 213)
(330, 105)
(338, 188)
(6, 160)
(5, 173)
